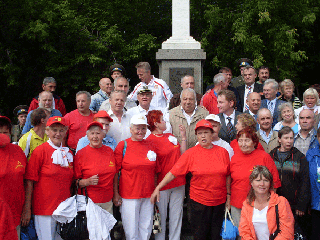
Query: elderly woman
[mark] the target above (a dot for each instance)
(136, 159)
(258, 215)
(168, 152)
(287, 88)
(241, 166)
(287, 116)
(209, 186)
(94, 167)
(48, 177)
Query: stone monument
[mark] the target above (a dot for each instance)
(181, 54)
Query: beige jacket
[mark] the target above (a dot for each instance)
(272, 143)
(176, 118)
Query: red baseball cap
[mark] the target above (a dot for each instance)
(56, 119)
(102, 114)
(94, 124)
(203, 123)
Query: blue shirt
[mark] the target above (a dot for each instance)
(28, 125)
(313, 157)
(97, 99)
(264, 135)
(107, 141)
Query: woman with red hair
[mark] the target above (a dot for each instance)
(241, 165)
(168, 152)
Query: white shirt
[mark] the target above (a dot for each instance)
(105, 105)
(225, 145)
(316, 110)
(246, 91)
(160, 91)
(232, 116)
(119, 130)
(188, 117)
(260, 223)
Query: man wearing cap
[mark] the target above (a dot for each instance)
(263, 74)
(120, 84)
(186, 82)
(105, 85)
(160, 89)
(49, 85)
(45, 101)
(103, 118)
(228, 115)
(21, 112)
(117, 70)
(78, 119)
(242, 63)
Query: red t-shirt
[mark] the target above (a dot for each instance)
(235, 146)
(92, 161)
(210, 102)
(137, 179)
(167, 155)
(241, 167)
(209, 169)
(51, 181)
(13, 164)
(77, 126)
(8, 229)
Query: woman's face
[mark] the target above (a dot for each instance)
(261, 185)
(95, 136)
(246, 144)
(56, 133)
(286, 141)
(310, 101)
(138, 132)
(204, 136)
(288, 91)
(287, 114)
(239, 126)
(161, 125)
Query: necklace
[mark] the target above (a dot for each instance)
(158, 135)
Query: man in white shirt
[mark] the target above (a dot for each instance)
(160, 90)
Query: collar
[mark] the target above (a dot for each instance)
(273, 101)
(308, 135)
(194, 111)
(232, 115)
(265, 134)
(124, 113)
(246, 86)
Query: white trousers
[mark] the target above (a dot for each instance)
(174, 197)
(46, 227)
(137, 218)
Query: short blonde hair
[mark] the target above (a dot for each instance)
(311, 92)
(286, 83)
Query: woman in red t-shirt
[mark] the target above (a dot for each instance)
(94, 166)
(209, 186)
(241, 166)
(168, 152)
(49, 175)
(136, 159)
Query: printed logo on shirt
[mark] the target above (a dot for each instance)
(19, 165)
(156, 86)
(253, 168)
(111, 164)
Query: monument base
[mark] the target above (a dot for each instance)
(176, 63)
(181, 43)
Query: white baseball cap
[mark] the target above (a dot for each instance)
(138, 119)
(213, 117)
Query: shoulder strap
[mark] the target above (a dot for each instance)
(27, 149)
(124, 148)
(277, 218)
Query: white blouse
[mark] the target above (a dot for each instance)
(260, 223)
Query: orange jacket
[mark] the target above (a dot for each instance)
(246, 228)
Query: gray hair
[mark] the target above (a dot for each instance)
(118, 91)
(189, 90)
(219, 78)
(286, 105)
(48, 80)
(275, 84)
(286, 83)
(45, 92)
(84, 92)
(311, 92)
(118, 78)
(92, 128)
(185, 77)
(144, 65)
(261, 110)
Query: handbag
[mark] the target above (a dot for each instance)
(77, 228)
(229, 231)
(275, 234)
(156, 226)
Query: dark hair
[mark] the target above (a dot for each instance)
(153, 117)
(226, 69)
(37, 115)
(249, 133)
(263, 67)
(4, 122)
(230, 96)
(257, 171)
(285, 130)
(318, 132)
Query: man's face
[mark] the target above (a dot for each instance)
(228, 76)
(144, 99)
(105, 123)
(106, 85)
(45, 100)
(249, 76)
(216, 128)
(223, 104)
(116, 74)
(188, 102)
(122, 85)
(306, 119)
(269, 92)
(83, 102)
(265, 120)
(254, 102)
(22, 119)
(263, 75)
(188, 82)
(144, 76)
(50, 87)
(241, 70)
(117, 102)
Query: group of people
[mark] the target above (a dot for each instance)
(249, 146)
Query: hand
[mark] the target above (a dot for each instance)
(155, 196)
(93, 180)
(25, 217)
(228, 202)
(182, 131)
(117, 200)
(299, 213)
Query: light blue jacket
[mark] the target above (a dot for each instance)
(107, 141)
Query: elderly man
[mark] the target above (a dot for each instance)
(187, 114)
(209, 100)
(78, 119)
(254, 103)
(263, 74)
(249, 75)
(307, 135)
(270, 89)
(120, 126)
(186, 82)
(228, 115)
(105, 85)
(49, 84)
(160, 89)
(105, 120)
(120, 84)
(21, 112)
(45, 101)
(267, 137)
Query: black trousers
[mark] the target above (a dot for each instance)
(315, 216)
(206, 221)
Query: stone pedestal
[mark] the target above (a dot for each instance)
(176, 63)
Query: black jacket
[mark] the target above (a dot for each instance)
(241, 90)
(294, 176)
